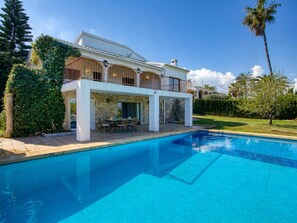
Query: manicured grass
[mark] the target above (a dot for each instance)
(279, 127)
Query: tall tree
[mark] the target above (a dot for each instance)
(233, 90)
(257, 18)
(243, 81)
(268, 96)
(15, 34)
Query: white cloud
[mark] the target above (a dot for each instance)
(213, 78)
(257, 70)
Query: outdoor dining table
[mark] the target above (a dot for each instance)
(114, 122)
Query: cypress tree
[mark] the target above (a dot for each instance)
(15, 34)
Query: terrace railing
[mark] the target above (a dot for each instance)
(83, 68)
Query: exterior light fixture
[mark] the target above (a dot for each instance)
(147, 77)
(105, 63)
(114, 75)
(163, 74)
(138, 70)
(88, 71)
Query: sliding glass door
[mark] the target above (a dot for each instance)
(130, 110)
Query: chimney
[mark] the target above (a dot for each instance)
(173, 62)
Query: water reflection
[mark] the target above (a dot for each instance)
(49, 190)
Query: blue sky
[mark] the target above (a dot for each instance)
(205, 36)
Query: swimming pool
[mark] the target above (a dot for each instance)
(199, 177)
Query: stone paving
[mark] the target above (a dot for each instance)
(20, 149)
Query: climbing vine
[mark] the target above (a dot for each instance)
(38, 101)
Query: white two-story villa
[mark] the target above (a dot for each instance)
(110, 79)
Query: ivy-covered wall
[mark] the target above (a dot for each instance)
(38, 101)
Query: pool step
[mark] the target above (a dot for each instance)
(193, 167)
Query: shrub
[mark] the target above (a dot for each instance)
(2, 121)
(215, 97)
(38, 101)
(230, 107)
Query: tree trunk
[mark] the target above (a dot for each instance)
(267, 54)
(270, 121)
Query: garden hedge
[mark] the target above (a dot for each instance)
(228, 107)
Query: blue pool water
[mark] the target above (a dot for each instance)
(200, 177)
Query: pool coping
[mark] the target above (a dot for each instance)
(273, 136)
(32, 155)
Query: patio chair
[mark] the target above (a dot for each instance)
(132, 126)
(101, 125)
(123, 125)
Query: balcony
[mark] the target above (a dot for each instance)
(83, 68)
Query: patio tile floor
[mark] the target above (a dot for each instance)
(27, 148)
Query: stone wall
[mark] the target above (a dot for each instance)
(107, 105)
(168, 109)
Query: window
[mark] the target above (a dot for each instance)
(128, 81)
(174, 84)
(71, 74)
(96, 76)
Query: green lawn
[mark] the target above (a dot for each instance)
(279, 127)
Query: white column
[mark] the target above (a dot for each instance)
(83, 132)
(105, 74)
(154, 113)
(189, 111)
(138, 73)
(138, 79)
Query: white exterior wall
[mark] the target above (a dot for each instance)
(154, 112)
(84, 87)
(83, 111)
(177, 73)
(189, 112)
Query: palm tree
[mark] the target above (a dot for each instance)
(210, 88)
(256, 20)
(243, 81)
(233, 90)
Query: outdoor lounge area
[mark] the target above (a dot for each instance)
(117, 125)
